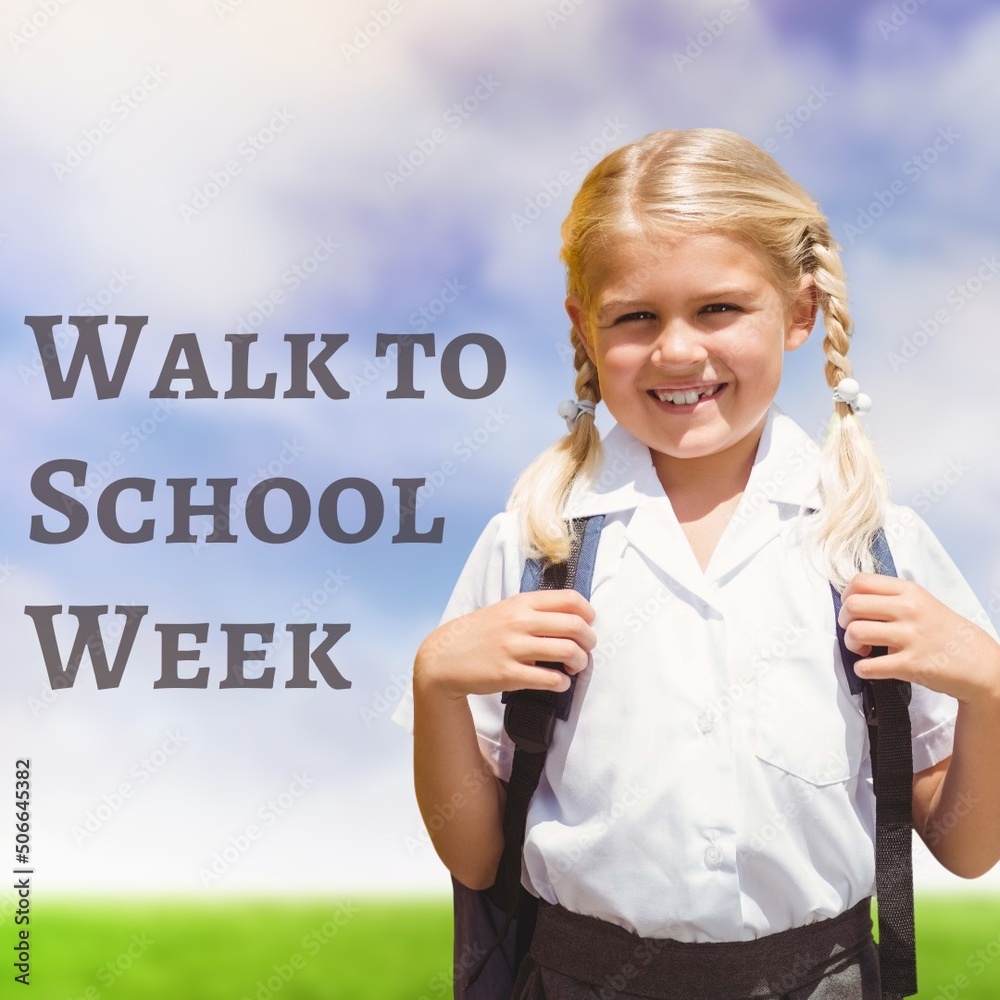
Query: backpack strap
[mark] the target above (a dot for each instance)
(887, 714)
(529, 720)
(530, 715)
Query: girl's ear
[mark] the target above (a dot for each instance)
(802, 313)
(574, 308)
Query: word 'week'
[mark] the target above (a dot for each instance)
(239, 659)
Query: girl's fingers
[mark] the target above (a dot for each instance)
(557, 625)
(861, 648)
(863, 632)
(554, 650)
(537, 678)
(870, 607)
(554, 629)
(568, 601)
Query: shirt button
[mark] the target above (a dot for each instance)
(706, 723)
(713, 857)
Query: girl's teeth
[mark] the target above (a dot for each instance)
(686, 396)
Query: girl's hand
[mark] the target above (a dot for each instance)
(928, 643)
(495, 648)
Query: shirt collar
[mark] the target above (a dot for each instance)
(785, 471)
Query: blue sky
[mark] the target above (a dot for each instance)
(291, 133)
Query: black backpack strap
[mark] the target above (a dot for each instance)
(886, 705)
(530, 715)
(529, 720)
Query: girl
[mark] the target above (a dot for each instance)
(709, 797)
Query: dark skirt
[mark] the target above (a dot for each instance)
(574, 957)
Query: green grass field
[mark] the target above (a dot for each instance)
(367, 949)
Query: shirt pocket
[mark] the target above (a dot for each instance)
(807, 722)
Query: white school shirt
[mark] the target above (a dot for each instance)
(712, 781)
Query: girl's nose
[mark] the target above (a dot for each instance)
(677, 343)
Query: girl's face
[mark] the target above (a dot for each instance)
(688, 342)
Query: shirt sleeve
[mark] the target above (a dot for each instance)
(920, 557)
(491, 573)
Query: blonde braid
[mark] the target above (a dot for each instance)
(829, 278)
(541, 492)
(852, 481)
(584, 437)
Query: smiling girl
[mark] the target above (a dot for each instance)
(709, 798)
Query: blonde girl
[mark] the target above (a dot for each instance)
(704, 825)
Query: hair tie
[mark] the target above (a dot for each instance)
(848, 391)
(570, 410)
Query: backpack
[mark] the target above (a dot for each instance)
(493, 927)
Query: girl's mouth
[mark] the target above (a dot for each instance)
(687, 397)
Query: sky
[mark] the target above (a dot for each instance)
(240, 167)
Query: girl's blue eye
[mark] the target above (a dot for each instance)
(719, 307)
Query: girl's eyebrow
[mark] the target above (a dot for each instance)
(712, 295)
(726, 292)
(615, 304)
